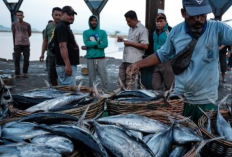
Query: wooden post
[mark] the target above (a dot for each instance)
(152, 7)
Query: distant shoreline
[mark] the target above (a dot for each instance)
(39, 32)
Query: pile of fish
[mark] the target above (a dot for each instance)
(133, 135)
(222, 126)
(4, 109)
(54, 100)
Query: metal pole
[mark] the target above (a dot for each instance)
(13, 8)
(152, 7)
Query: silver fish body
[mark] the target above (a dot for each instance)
(63, 145)
(179, 151)
(120, 143)
(135, 122)
(56, 102)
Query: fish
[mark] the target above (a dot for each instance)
(121, 143)
(161, 143)
(61, 144)
(185, 135)
(28, 150)
(223, 129)
(79, 135)
(147, 138)
(208, 115)
(135, 122)
(180, 151)
(21, 131)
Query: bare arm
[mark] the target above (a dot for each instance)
(136, 45)
(147, 62)
(29, 31)
(44, 45)
(64, 54)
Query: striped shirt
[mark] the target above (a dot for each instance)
(138, 34)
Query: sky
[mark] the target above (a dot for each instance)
(38, 12)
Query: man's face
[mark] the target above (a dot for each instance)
(131, 22)
(93, 23)
(20, 16)
(160, 23)
(194, 22)
(69, 18)
(56, 16)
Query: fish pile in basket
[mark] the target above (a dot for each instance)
(130, 135)
(54, 100)
(214, 124)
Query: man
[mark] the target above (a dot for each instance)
(135, 47)
(66, 48)
(96, 41)
(199, 81)
(21, 33)
(51, 58)
(222, 59)
(163, 72)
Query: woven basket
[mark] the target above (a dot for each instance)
(9, 81)
(76, 152)
(219, 148)
(95, 108)
(116, 107)
(162, 117)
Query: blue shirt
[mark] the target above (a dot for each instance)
(201, 79)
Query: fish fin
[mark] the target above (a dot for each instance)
(81, 119)
(79, 87)
(97, 95)
(11, 98)
(208, 115)
(122, 87)
(204, 142)
(173, 121)
(168, 92)
(222, 101)
(47, 84)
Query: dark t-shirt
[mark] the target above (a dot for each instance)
(63, 33)
(224, 50)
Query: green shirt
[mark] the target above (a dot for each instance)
(48, 34)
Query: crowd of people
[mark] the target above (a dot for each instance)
(185, 56)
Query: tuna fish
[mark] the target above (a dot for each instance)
(21, 131)
(28, 150)
(121, 143)
(208, 115)
(135, 122)
(61, 144)
(223, 128)
(161, 143)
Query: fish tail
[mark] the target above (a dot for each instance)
(95, 89)
(204, 142)
(48, 84)
(79, 87)
(208, 115)
(81, 120)
(173, 121)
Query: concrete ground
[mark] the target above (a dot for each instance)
(38, 74)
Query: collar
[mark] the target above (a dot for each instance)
(190, 33)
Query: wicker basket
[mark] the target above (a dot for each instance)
(219, 148)
(115, 107)
(162, 116)
(9, 81)
(95, 108)
(76, 152)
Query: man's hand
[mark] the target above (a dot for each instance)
(68, 70)
(127, 43)
(120, 39)
(132, 69)
(41, 58)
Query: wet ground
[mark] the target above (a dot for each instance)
(37, 75)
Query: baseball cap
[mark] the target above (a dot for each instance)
(161, 16)
(197, 7)
(69, 10)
